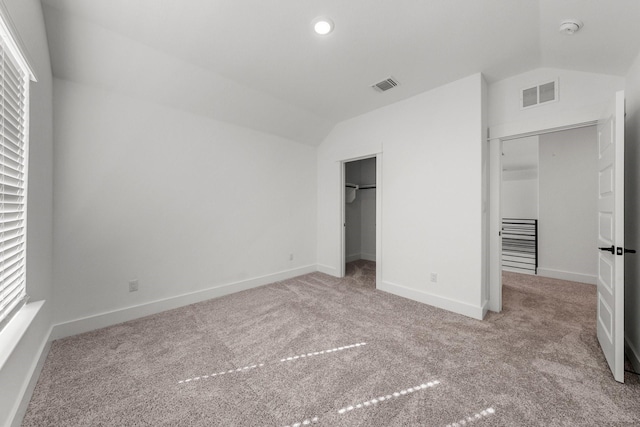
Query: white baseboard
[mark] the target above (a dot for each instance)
(368, 257)
(567, 275)
(632, 354)
(485, 308)
(516, 270)
(352, 257)
(434, 300)
(31, 381)
(331, 271)
(356, 257)
(90, 323)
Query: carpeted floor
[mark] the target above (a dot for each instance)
(316, 350)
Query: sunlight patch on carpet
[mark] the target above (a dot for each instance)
(230, 371)
(287, 359)
(318, 353)
(388, 397)
(306, 422)
(473, 418)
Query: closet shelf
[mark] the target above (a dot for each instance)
(360, 187)
(351, 189)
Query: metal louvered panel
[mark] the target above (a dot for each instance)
(520, 244)
(538, 95)
(385, 85)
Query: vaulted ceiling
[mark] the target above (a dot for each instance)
(257, 63)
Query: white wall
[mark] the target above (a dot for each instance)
(431, 193)
(520, 178)
(485, 217)
(368, 211)
(16, 372)
(353, 231)
(520, 194)
(632, 213)
(353, 215)
(183, 203)
(582, 98)
(568, 226)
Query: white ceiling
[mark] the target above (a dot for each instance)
(265, 51)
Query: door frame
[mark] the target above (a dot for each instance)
(495, 205)
(343, 177)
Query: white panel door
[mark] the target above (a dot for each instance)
(610, 321)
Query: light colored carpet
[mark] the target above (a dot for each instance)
(287, 354)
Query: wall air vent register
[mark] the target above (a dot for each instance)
(538, 95)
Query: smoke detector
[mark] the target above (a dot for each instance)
(570, 26)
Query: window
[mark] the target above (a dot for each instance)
(14, 127)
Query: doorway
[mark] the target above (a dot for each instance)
(549, 205)
(360, 215)
(496, 147)
(610, 228)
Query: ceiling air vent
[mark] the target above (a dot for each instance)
(385, 84)
(538, 95)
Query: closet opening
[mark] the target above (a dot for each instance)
(549, 205)
(360, 207)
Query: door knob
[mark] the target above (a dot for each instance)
(622, 251)
(612, 249)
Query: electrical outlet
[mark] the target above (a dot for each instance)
(133, 285)
(434, 277)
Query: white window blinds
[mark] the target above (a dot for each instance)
(14, 85)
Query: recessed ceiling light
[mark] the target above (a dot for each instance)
(322, 26)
